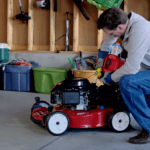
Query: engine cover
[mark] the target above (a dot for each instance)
(71, 98)
(75, 82)
(72, 92)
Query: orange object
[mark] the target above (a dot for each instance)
(23, 62)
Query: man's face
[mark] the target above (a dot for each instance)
(116, 33)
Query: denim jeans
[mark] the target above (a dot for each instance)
(133, 89)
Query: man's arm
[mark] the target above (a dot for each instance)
(137, 47)
(105, 48)
(108, 42)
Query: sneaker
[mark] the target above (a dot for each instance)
(142, 138)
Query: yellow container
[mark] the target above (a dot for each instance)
(88, 74)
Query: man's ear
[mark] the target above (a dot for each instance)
(120, 27)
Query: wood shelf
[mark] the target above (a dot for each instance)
(61, 52)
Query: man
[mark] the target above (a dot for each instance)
(134, 76)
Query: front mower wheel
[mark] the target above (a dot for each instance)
(119, 121)
(57, 123)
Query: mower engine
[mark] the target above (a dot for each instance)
(73, 93)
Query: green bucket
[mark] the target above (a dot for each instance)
(105, 4)
(46, 77)
(4, 55)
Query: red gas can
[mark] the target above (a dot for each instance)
(112, 63)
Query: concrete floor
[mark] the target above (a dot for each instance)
(17, 132)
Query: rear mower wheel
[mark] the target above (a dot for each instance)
(119, 121)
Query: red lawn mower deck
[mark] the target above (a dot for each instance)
(73, 109)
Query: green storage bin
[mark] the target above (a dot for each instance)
(46, 77)
(4, 53)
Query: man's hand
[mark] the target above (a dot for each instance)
(101, 56)
(106, 79)
(99, 63)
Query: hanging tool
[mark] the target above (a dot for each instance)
(23, 16)
(44, 4)
(67, 32)
(81, 9)
(55, 5)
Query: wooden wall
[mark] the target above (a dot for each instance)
(3, 21)
(140, 7)
(46, 26)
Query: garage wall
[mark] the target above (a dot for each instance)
(88, 34)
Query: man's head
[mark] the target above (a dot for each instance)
(113, 21)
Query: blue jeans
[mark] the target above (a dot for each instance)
(133, 89)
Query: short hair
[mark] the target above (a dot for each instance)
(111, 18)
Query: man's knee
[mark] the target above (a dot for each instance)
(124, 81)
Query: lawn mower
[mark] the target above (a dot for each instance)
(77, 103)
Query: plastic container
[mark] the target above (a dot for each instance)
(88, 74)
(18, 78)
(4, 53)
(1, 78)
(116, 49)
(46, 77)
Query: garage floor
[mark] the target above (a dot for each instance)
(17, 132)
